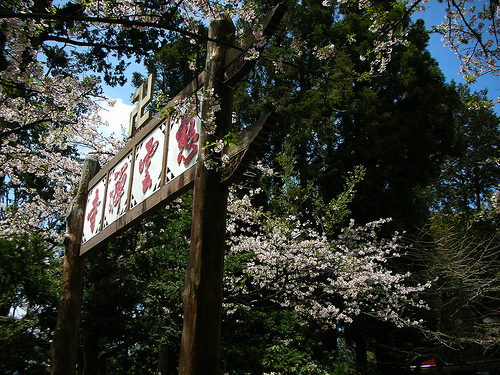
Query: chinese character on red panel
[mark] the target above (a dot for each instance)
(186, 138)
(144, 163)
(118, 189)
(148, 165)
(91, 217)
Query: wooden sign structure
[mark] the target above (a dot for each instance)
(159, 164)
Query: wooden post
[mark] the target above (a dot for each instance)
(202, 294)
(65, 343)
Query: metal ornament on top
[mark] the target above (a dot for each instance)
(143, 96)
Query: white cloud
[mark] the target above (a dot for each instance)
(117, 117)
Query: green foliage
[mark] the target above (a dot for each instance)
(133, 295)
(287, 196)
(28, 299)
(336, 211)
(26, 278)
(176, 64)
(274, 340)
(399, 127)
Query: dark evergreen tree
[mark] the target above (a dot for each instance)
(399, 126)
(398, 123)
(470, 173)
(28, 301)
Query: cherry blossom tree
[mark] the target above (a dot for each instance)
(313, 266)
(46, 121)
(49, 114)
(302, 262)
(470, 29)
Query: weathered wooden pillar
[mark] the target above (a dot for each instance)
(65, 343)
(202, 295)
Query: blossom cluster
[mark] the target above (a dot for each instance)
(470, 30)
(330, 280)
(189, 12)
(213, 152)
(47, 121)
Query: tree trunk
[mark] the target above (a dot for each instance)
(162, 367)
(65, 343)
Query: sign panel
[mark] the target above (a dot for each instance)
(148, 165)
(183, 138)
(94, 210)
(155, 166)
(118, 190)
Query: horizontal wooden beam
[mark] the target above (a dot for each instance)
(248, 142)
(150, 205)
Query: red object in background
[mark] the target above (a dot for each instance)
(429, 362)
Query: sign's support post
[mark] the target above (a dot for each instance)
(65, 342)
(202, 295)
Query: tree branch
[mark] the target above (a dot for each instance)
(79, 43)
(471, 29)
(105, 20)
(19, 128)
